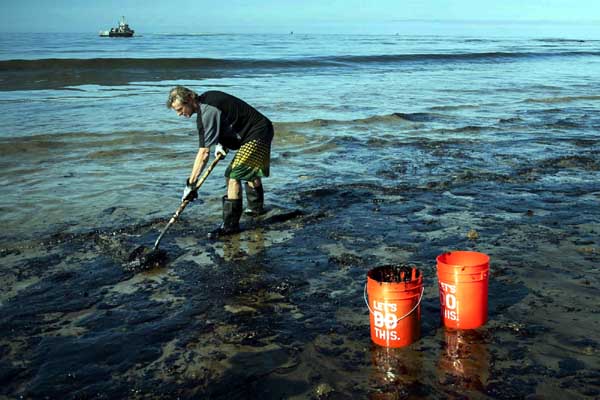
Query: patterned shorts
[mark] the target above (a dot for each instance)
(251, 161)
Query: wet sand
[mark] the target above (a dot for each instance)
(277, 311)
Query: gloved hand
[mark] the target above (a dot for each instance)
(219, 149)
(189, 192)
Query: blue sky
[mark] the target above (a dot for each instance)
(308, 16)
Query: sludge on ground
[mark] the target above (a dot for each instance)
(277, 311)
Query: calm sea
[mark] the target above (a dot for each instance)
(86, 141)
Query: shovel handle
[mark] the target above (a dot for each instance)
(212, 166)
(185, 202)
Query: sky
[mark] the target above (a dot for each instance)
(301, 16)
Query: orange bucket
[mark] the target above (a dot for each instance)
(463, 282)
(394, 299)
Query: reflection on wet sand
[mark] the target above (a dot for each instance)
(464, 361)
(256, 242)
(232, 250)
(396, 372)
(246, 244)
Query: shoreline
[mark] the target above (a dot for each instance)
(282, 303)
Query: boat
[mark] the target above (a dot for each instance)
(123, 30)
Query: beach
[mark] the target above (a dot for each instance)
(387, 149)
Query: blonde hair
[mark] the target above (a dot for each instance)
(180, 93)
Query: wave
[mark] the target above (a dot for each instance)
(45, 144)
(559, 40)
(565, 99)
(510, 120)
(587, 162)
(61, 72)
(467, 129)
(151, 63)
(453, 107)
(564, 123)
(375, 119)
(293, 132)
(289, 135)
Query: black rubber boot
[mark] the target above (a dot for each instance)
(255, 198)
(232, 211)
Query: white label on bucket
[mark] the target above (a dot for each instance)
(448, 301)
(384, 319)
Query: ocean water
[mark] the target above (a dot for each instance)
(86, 140)
(387, 149)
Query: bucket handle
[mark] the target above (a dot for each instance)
(405, 315)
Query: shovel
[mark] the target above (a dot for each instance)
(140, 258)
